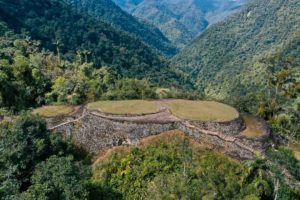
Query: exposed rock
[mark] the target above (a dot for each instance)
(96, 131)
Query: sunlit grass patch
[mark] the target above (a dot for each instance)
(201, 110)
(296, 148)
(124, 107)
(52, 111)
(254, 128)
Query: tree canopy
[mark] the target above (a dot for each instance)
(35, 164)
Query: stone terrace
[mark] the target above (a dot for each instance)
(95, 131)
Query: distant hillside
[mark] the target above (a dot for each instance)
(181, 20)
(128, 5)
(62, 29)
(108, 11)
(225, 60)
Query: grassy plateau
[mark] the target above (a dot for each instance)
(124, 107)
(52, 111)
(184, 109)
(201, 110)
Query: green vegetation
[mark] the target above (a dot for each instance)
(201, 110)
(72, 52)
(42, 165)
(252, 59)
(131, 89)
(51, 111)
(70, 34)
(35, 164)
(125, 107)
(279, 104)
(25, 72)
(282, 162)
(225, 61)
(59, 178)
(72, 67)
(31, 77)
(179, 20)
(110, 13)
(172, 168)
(179, 93)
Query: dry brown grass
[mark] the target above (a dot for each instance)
(124, 107)
(201, 110)
(254, 128)
(53, 111)
(296, 148)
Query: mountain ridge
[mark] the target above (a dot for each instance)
(181, 21)
(236, 46)
(109, 12)
(53, 22)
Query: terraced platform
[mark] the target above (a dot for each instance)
(210, 111)
(54, 111)
(103, 125)
(130, 107)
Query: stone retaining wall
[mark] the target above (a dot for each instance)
(54, 121)
(233, 127)
(229, 145)
(95, 133)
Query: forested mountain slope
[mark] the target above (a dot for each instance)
(180, 20)
(128, 5)
(108, 11)
(69, 33)
(226, 59)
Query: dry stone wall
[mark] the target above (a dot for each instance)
(233, 127)
(96, 131)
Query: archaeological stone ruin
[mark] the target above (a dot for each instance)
(95, 131)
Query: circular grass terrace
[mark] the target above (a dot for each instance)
(125, 107)
(184, 109)
(209, 111)
(53, 111)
